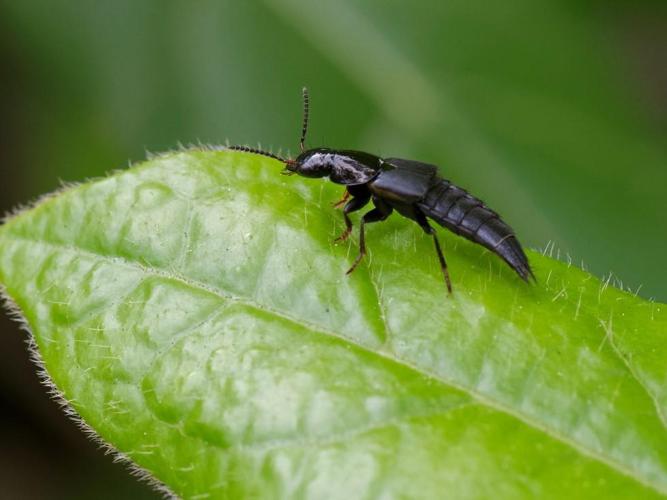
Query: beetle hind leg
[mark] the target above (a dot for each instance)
(443, 262)
(423, 223)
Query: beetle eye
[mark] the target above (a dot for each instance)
(290, 167)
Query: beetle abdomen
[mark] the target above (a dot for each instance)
(460, 212)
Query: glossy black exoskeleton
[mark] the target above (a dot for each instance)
(413, 189)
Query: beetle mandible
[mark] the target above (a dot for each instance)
(412, 188)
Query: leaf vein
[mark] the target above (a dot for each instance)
(483, 399)
(609, 336)
(350, 434)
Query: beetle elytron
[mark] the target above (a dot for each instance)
(413, 189)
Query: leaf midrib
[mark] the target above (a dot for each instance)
(483, 399)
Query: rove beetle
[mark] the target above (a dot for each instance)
(412, 188)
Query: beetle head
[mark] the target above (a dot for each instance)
(311, 163)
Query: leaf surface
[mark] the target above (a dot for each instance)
(194, 311)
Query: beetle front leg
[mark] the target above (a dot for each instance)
(356, 203)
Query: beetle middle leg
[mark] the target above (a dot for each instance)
(358, 202)
(340, 202)
(381, 211)
(423, 223)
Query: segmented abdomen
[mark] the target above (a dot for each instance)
(460, 212)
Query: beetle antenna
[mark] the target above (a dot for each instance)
(304, 128)
(248, 149)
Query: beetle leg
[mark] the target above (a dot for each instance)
(421, 220)
(379, 213)
(443, 263)
(356, 203)
(340, 202)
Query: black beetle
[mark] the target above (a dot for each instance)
(412, 188)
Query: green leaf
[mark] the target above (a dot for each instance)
(194, 311)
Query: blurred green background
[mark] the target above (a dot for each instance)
(554, 112)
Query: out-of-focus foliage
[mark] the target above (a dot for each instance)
(529, 104)
(205, 327)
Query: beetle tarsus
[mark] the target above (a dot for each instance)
(443, 262)
(356, 262)
(344, 236)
